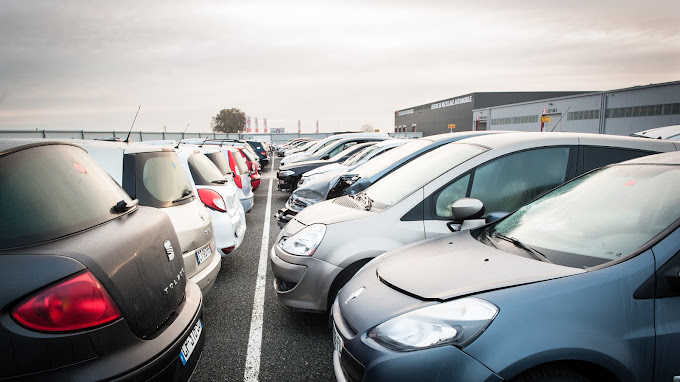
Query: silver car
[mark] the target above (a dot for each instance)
(320, 249)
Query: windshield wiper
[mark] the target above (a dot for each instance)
(516, 242)
(186, 194)
(489, 238)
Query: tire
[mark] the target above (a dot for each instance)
(550, 374)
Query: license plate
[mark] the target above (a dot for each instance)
(281, 181)
(203, 253)
(337, 341)
(190, 342)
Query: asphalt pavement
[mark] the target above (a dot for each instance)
(294, 346)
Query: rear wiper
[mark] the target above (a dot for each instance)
(516, 242)
(220, 181)
(185, 195)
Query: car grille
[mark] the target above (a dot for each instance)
(299, 203)
(348, 202)
(351, 368)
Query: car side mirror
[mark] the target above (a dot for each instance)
(465, 209)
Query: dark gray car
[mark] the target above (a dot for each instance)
(93, 285)
(580, 285)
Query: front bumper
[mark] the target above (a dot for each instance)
(286, 183)
(361, 359)
(302, 282)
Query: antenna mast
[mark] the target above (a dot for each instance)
(127, 139)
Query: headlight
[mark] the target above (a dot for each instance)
(305, 242)
(286, 173)
(456, 323)
(306, 179)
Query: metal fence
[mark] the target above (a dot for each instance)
(141, 136)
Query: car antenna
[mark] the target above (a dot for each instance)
(127, 139)
(558, 122)
(180, 141)
(202, 143)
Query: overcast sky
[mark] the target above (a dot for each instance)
(88, 65)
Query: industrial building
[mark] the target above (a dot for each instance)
(455, 114)
(618, 112)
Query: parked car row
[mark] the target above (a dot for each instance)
(473, 260)
(121, 240)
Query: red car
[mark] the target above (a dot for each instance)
(252, 167)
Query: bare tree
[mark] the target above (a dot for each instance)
(367, 129)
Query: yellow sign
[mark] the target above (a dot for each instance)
(545, 118)
(452, 125)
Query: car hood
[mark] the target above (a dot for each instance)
(458, 265)
(333, 211)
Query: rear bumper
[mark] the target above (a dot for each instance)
(121, 356)
(247, 201)
(205, 279)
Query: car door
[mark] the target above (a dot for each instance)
(667, 308)
(503, 184)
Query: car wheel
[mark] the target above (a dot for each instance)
(550, 374)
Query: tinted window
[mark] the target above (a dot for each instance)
(512, 181)
(595, 157)
(240, 162)
(160, 180)
(51, 191)
(203, 170)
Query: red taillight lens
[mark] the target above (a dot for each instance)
(237, 180)
(77, 303)
(228, 249)
(212, 199)
(263, 153)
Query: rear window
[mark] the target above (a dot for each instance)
(240, 162)
(220, 161)
(160, 180)
(51, 191)
(203, 170)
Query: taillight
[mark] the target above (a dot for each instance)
(212, 199)
(228, 249)
(263, 153)
(79, 302)
(237, 180)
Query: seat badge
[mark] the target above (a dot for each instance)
(355, 294)
(168, 250)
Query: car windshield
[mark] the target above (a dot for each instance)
(600, 217)
(359, 156)
(51, 191)
(420, 171)
(161, 180)
(375, 165)
(203, 170)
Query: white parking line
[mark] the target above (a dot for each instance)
(252, 370)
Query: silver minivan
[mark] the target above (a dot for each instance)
(155, 176)
(320, 249)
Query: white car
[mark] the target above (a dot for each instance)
(314, 151)
(218, 193)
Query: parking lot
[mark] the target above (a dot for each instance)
(294, 346)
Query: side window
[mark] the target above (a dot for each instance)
(449, 194)
(509, 182)
(595, 156)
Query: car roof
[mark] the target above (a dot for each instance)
(9, 144)
(532, 139)
(671, 158)
(665, 132)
